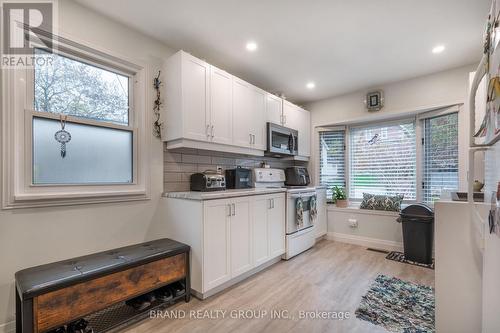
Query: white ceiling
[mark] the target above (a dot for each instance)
(341, 45)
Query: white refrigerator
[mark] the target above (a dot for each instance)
(485, 137)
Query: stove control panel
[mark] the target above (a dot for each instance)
(267, 175)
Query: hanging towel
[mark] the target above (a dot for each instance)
(313, 211)
(299, 209)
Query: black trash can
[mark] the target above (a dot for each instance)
(418, 232)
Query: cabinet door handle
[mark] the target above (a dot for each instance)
(269, 206)
(234, 209)
(212, 131)
(229, 206)
(207, 131)
(253, 141)
(250, 135)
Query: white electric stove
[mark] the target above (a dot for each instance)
(299, 237)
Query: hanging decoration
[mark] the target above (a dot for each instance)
(62, 136)
(374, 140)
(157, 125)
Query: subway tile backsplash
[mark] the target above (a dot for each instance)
(179, 164)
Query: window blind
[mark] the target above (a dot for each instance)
(383, 160)
(440, 156)
(332, 160)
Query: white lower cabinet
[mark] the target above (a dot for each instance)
(260, 210)
(228, 237)
(276, 226)
(268, 227)
(321, 220)
(240, 236)
(217, 269)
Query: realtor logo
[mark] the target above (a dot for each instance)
(25, 25)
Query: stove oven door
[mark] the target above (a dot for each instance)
(292, 224)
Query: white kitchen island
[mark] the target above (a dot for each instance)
(233, 234)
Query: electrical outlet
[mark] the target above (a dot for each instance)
(353, 223)
(219, 169)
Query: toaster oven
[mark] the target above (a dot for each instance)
(208, 181)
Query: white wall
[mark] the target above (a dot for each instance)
(375, 229)
(31, 237)
(401, 98)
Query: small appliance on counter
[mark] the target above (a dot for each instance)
(297, 176)
(239, 178)
(207, 181)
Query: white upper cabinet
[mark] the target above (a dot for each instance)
(187, 104)
(221, 106)
(300, 120)
(290, 116)
(249, 122)
(242, 111)
(304, 129)
(258, 117)
(208, 108)
(274, 109)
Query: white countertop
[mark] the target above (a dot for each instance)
(192, 195)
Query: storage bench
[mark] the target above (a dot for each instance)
(95, 286)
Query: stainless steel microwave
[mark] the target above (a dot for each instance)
(281, 141)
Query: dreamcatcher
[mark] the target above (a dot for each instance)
(62, 136)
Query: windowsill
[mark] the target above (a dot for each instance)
(354, 209)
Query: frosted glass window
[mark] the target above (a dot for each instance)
(67, 86)
(95, 155)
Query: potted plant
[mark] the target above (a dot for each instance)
(339, 197)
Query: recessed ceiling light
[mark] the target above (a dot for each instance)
(310, 85)
(251, 46)
(438, 49)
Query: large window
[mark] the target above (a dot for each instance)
(383, 160)
(75, 128)
(415, 157)
(440, 160)
(332, 159)
(97, 100)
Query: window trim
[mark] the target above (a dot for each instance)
(16, 124)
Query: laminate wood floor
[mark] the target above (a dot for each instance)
(331, 276)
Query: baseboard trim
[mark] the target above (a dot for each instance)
(8, 327)
(375, 243)
(236, 280)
